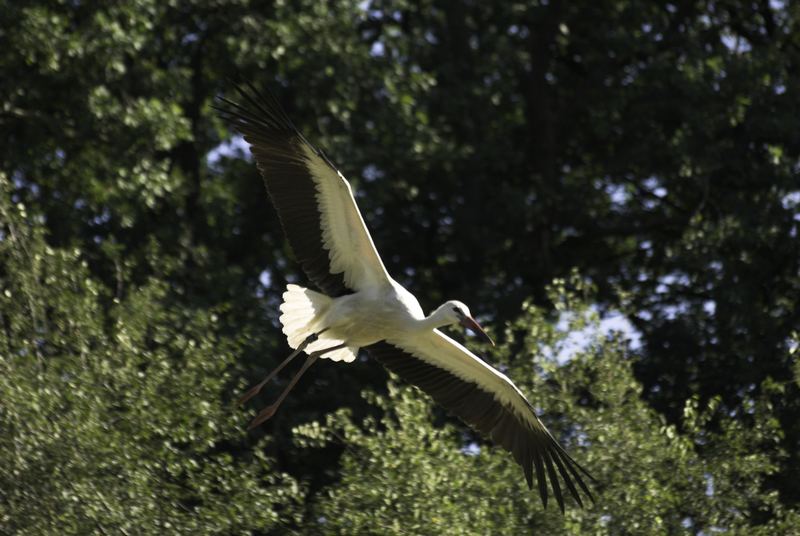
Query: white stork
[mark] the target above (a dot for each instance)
(361, 306)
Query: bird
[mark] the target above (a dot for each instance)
(358, 305)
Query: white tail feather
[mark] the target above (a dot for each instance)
(303, 314)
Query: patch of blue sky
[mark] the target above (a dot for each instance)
(610, 323)
(235, 147)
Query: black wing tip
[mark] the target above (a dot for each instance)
(259, 109)
(560, 463)
(546, 459)
(554, 484)
(552, 462)
(260, 113)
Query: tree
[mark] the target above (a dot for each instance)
(494, 146)
(403, 474)
(115, 418)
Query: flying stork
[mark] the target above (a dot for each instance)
(361, 306)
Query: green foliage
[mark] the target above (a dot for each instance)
(402, 474)
(495, 146)
(115, 418)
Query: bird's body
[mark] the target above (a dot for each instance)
(359, 319)
(361, 306)
(371, 315)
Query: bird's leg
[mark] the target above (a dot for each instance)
(270, 410)
(253, 391)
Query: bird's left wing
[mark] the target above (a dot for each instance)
(486, 400)
(314, 201)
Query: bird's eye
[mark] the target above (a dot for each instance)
(457, 311)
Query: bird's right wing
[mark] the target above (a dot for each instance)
(314, 201)
(486, 400)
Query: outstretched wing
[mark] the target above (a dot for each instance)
(314, 201)
(486, 400)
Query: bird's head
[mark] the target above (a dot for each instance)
(455, 312)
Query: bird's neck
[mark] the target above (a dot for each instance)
(434, 320)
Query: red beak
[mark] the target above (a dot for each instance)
(472, 325)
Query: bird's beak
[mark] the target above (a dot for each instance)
(472, 325)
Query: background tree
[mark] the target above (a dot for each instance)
(394, 468)
(494, 148)
(117, 421)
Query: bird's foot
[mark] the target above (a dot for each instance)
(253, 391)
(248, 395)
(263, 416)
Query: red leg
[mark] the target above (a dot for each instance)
(253, 391)
(266, 413)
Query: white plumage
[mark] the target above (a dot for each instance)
(304, 314)
(361, 306)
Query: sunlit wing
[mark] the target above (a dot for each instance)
(314, 201)
(486, 400)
